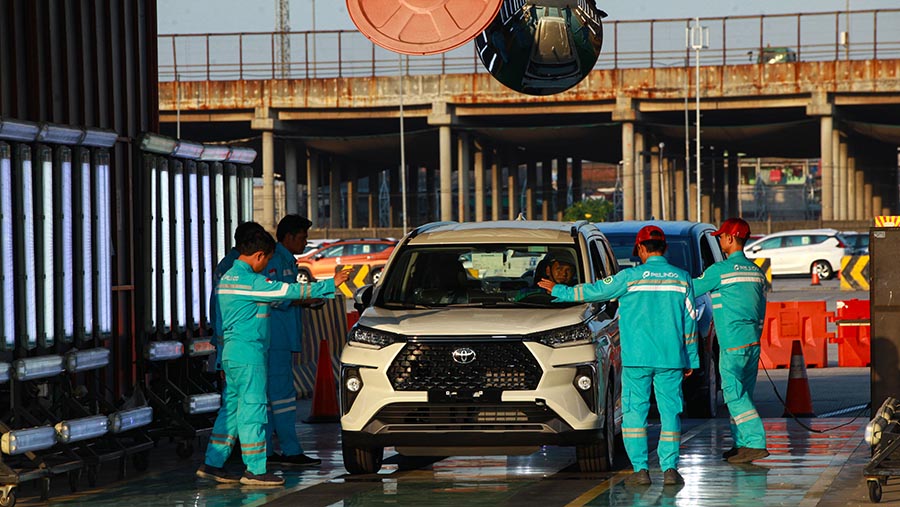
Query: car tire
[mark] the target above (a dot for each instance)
(823, 269)
(704, 404)
(304, 277)
(362, 460)
(600, 456)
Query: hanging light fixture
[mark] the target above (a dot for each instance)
(241, 156)
(27, 213)
(208, 259)
(18, 130)
(64, 215)
(104, 242)
(153, 230)
(165, 248)
(215, 153)
(45, 226)
(194, 208)
(155, 143)
(87, 248)
(188, 149)
(221, 237)
(7, 283)
(180, 229)
(100, 138)
(59, 134)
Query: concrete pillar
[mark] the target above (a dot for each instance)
(734, 179)
(655, 187)
(718, 195)
(495, 186)
(836, 164)
(531, 186)
(628, 170)
(433, 200)
(547, 189)
(352, 186)
(479, 186)
(860, 195)
(267, 220)
(512, 182)
(640, 186)
(290, 178)
(707, 207)
(877, 206)
(396, 197)
(562, 185)
(842, 189)
(464, 161)
(679, 191)
(373, 189)
(851, 187)
(334, 199)
(826, 168)
(867, 202)
(446, 172)
(312, 188)
(577, 185)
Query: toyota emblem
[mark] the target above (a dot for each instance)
(464, 355)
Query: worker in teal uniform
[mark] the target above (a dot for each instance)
(284, 335)
(659, 347)
(738, 288)
(244, 297)
(224, 265)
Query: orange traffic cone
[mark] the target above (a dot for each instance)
(324, 404)
(798, 400)
(815, 277)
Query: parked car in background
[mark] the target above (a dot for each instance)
(320, 263)
(802, 252)
(692, 248)
(858, 241)
(314, 244)
(457, 352)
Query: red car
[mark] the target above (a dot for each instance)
(320, 263)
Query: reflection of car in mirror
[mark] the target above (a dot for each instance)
(544, 47)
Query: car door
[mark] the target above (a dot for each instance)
(326, 260)
(771, 249)
(795, 253)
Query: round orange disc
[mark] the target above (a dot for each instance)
(422, 27)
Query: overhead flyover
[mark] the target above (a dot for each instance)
(830, 105)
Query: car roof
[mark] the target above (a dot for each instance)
(500, 231)
(669, 227)
(829, 232)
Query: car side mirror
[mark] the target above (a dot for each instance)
(362, 299)
(318, 256)
(756, 249)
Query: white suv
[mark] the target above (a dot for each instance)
(457, 352)
(802, 252)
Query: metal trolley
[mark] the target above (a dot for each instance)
(883, 434)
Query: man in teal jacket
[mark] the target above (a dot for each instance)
(738, 291)
(659, 347)
(285, 333)
(240, 232)
(244, 296)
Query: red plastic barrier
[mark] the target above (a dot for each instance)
(352, 318)
(853, 333)
(785, 322)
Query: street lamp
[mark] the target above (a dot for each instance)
(697, 39)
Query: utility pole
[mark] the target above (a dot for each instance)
(698, 38)
(283, 26)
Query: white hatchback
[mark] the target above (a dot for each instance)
(802, 252)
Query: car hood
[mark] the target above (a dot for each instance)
(471, 321)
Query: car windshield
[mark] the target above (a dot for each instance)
(478, 276)
(678, 252)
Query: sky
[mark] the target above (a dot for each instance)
(217, 16)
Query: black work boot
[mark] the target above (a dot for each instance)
(639, 478)
(298, 460)
(217, 474)
(748, 454)
(729, 453)
(671, 477)
(263, 480)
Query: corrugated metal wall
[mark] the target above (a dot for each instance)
(91, 63)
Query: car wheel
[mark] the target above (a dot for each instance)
(304, 277)
(823, 269)
(362, 460)
(599, 456)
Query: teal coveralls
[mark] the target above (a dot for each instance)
(218, 337)
(738, 291)
(659, 341)
(244, 298)
(284, 334)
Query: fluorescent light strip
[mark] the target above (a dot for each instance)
(247, 194)
(207, 236)
(87, 246)
(47, 255)
(7, 298)
(220, 211)
(233, 195)
(28, 238)
(165, 248)
(105, 241)
(154, 248)
(180, 261)
(68, 247)
(195, 242)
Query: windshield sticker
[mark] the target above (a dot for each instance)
(537, 249)
(488, 262)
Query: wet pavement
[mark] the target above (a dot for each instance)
(804, 468)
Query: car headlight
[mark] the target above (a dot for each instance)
(373, 337)
(566, 337)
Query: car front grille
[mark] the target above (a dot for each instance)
(430, 366)
(516, 416)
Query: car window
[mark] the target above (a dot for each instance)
(770, 244)
(678, 251)
(598, 261)
(819, 238)
(790, 241)
(477, 275)
(378, 247)
(333, 251)
(356, 249)
(706, 253)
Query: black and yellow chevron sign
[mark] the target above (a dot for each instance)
(360, 275)
(855, 272)
(765, 265)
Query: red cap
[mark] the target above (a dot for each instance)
(647, 233)
(734, 226)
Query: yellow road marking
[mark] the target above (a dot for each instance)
(598, 490)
